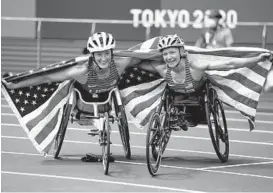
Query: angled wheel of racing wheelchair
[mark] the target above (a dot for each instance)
(58, 142)
(217, 124)
(123, 127)
(164, 120)
(153, 143)
(105, 144)
(158, 135)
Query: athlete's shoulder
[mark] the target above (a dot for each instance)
(192, 60)
(122, 60)
(195, 63)
(79, 69)
(158, 63)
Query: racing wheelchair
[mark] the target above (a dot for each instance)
(101, 119)
(203, 107)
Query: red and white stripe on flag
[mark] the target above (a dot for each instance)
(39, 110)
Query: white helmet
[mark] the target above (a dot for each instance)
(169, 41)
(100, 42)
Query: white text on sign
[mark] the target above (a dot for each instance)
(182, 18)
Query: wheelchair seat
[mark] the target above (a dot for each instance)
(79, 114)
(83, 109)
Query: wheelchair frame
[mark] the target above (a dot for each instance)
(159, 132)
(101, 121)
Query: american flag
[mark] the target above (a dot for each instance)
(141, 91)
(39, 108)
(238, 88)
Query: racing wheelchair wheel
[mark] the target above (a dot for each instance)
(167, 133)
(58, 142)
(154, 143)
(105, 143)
(217, 124)
(123, 128)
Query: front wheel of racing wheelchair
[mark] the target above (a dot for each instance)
(105, 143)
(217, 123)
(158, 135)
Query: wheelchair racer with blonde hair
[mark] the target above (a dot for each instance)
(182, 71)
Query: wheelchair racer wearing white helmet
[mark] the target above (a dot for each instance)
(182, 72)
(101, 46)
(94, 78)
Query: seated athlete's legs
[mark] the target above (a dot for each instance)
(177, 121)
(193, 113)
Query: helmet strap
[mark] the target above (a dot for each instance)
(93, 60)
(183, 55)
(112, 55)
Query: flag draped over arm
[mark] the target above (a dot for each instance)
(238, 88)
(39, 109)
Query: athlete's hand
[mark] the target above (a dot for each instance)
(265, 56)
(9, 85)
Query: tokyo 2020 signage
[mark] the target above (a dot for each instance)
(162, 18)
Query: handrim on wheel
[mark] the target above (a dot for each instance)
(58, 142)
(218, 128)
(153, 142)
(105, 143)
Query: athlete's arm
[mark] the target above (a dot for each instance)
(67, 74)
(237, 62)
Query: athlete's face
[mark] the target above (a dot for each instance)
(171, 56)
(103, 58)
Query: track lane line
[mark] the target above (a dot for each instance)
(237, 165)
(100, 181)
(143, 147)
(169, 166)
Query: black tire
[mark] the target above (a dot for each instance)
(218, 133)
(123, 129)
(152, 141)
(58, 142)
(105, 145)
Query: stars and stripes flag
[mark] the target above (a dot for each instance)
(238, 88)
(141, 92)
(39, 109)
